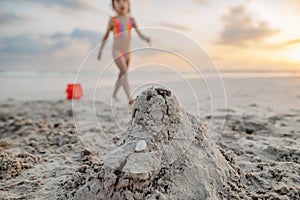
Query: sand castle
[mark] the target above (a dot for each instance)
(164, 154)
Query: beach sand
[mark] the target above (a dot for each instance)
(50, 150)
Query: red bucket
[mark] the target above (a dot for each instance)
(74, 91)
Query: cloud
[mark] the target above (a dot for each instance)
(92, 37)
(174, 26)
(73, 4)
(285, 44)
(40, 44)
(242, 30)
(25, 44)
(294, 2)
(290, 42)
(201, 1)
(144, 2)
(6, 17)
(69, 6)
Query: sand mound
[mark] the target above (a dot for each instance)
(163, 155)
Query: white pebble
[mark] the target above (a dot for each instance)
(141, 145)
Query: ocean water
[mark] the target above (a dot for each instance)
(196, 92)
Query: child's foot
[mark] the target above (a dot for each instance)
(131, 102)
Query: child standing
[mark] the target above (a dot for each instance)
(121, 26)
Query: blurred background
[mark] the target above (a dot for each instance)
(239, 35)
(48, 40)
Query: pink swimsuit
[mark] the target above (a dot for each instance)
(121, 30)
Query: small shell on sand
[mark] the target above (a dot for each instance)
(141, 145)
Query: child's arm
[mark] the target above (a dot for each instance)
(143, 37)
(109, 28)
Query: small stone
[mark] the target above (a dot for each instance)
(85, 152)
(41, 150)
(141, 145)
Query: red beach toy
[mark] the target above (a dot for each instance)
(74, 91)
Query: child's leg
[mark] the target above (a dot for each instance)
(131, 101)
(117, 54)
(117, 87)
(122, 79)
(118, 83)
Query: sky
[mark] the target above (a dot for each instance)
(237, 35)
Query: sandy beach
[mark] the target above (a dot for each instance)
(51, 149)
(174, 100)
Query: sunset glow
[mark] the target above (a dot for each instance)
(294, 54)
(239, 34)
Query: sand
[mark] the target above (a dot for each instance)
(256, 155)
(177, 161)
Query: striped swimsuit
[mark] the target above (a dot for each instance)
(121, 30)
